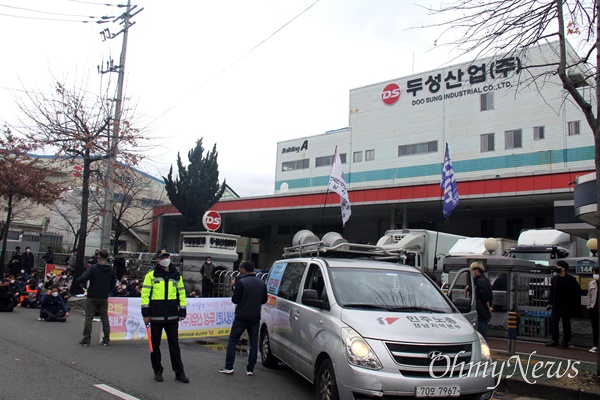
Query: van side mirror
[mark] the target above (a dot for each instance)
(310, 297)
(463, 304)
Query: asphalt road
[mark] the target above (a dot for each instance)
(44, 360)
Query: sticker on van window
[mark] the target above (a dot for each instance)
(425, 322)
(275, 277)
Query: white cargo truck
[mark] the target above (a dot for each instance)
(542, 245)
(419, 246)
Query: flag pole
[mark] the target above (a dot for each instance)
(327, 193)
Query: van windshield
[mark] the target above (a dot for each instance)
(386, 289)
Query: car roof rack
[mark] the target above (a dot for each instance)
(342, 250)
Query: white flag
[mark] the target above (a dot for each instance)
(338, 185)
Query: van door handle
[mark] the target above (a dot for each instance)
(297, 315)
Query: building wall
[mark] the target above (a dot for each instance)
(443, 114)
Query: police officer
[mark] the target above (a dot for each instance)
(163, 306)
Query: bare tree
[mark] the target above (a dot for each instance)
(75, 124)
(68, 211)
(135, 198)
(511, 26)
(22, 178)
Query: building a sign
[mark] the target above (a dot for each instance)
(295, 149)
(211, 220)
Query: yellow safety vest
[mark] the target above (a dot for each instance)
(163, 298)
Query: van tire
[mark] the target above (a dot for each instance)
(266, 356)
(325, 384)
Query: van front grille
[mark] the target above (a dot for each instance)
(416, 359)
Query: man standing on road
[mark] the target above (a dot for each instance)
(563, 299)
(102, 281)
(163, 306)
(249, 293)
(48, 256)
(484, 298)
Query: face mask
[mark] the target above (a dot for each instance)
(12, 281)
(29, 251)
(165, 262)
(209, 262)
(55, 294)
(123, 287)
(596, 276)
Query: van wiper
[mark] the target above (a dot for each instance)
(367, 306)
(415, 308)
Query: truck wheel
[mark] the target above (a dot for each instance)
(325, 385)
(267, 358)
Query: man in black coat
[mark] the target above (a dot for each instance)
(483, 297)
(102, 280)
(249, 293)
(48, 256)
(565, 296)
(7, 297)
(27, 261)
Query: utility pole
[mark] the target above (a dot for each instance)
(107, 213)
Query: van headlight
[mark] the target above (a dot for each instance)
(357, 350)
(485, 349)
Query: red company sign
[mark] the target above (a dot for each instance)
(211, 220)
(390, 94)
(77, 171)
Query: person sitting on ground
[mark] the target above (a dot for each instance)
(53, 306)
(31, 296)
(119, 291)
(64, 285)
(7, 297)
(16, 289)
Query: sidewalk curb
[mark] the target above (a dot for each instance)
(548, 391)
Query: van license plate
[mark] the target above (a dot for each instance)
(437, 391)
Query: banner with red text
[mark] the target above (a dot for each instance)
(206, 317)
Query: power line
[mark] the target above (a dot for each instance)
(92, 2)
(53, 13)
(236, 61)
(44, 19)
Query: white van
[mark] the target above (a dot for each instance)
(364, 329)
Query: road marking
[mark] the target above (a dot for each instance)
(118, 393)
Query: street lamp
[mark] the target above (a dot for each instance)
(592, 245)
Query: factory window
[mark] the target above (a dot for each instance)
(418, 148)
(573, 128)
(487, 101)
(357, 156)
(369, 155)
(294, 165)
(513, 139)
(328, 160)
(487, 142)
(538, 133)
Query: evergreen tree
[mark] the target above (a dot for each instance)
(196, 188)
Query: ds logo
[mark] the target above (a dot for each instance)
(211, 220)
(391, 94)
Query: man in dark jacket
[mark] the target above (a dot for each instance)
(565, 296)
(483, 297)
(53, 306)
(163, 306)
(102, 281)
(27, 261)
(7, 297)
(48, 256)
(208, 277)
(249, 293)
(15, 262)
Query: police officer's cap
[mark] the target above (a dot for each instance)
(162, 253)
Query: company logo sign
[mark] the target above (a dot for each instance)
(390, 94)
(77, 171)
(211, 220)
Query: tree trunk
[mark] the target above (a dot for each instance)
(5, 234)
(85, 199)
